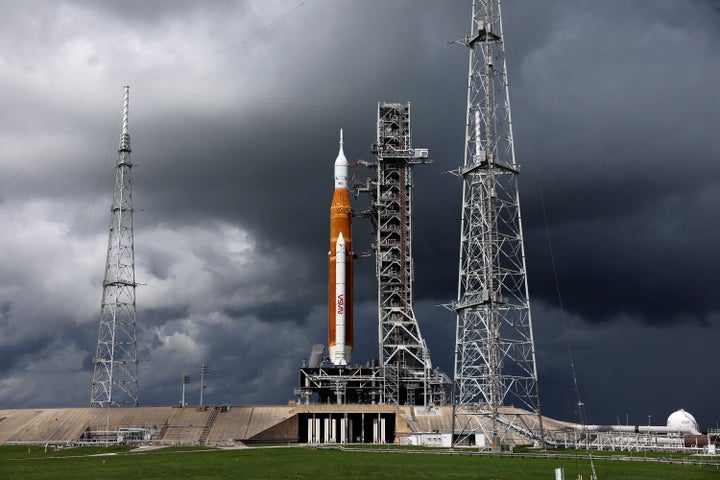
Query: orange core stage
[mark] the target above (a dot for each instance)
(340, 270)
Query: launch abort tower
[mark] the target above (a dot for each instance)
(494, 348)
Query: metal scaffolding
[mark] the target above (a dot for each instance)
(408, 377)
(494, 351)
(115, 380)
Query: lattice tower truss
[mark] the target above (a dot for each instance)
(494, 352)
(115, 379)
(404, 358)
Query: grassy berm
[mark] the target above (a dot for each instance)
(18, 463)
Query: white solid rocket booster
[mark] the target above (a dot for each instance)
(340, 301)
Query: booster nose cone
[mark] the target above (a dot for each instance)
(340, 244)
(341, 166)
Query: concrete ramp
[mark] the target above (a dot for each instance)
(170, 425)
(266, 417)
(435, 419)
(167, 425)
(231, 425)
(40, 426)
(13, 422)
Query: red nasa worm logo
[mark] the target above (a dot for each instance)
(340, 304)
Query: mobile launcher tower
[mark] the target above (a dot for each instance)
(403, 373)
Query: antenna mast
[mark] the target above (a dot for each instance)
(115, 380)
(494, 348)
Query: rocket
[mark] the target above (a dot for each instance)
(340, 267)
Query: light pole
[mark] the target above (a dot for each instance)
(185, 381)
(204, 370)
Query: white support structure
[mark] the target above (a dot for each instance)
(494, 353)
(115, 379)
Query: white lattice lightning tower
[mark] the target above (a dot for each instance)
(494, 352)
(115, 380)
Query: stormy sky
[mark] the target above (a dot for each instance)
(235, 110)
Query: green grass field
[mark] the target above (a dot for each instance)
(19, 463)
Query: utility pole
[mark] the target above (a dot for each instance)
(185, 381)
(204, 370)
(115, 379)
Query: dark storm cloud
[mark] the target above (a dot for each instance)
(625, 155)
(234, 119)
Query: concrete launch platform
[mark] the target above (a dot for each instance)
(224, 425)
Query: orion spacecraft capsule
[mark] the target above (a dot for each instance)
(340, 267)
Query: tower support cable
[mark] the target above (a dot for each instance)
(576, 387)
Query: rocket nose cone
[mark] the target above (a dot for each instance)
(341, 167)
(341, 160)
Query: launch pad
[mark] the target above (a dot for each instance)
(225, 425)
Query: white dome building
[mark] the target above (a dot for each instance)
(682, 422)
